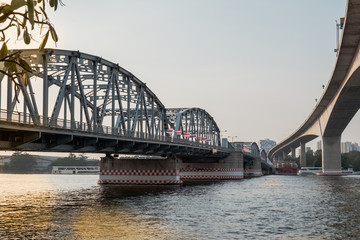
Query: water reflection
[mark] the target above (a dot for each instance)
(117, 223)
(272, 207)
(28, 216)
(113, 191)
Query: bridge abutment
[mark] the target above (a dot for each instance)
(136, 171)
(331, 156)
(231, 167)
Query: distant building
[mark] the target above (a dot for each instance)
(318, 145)
(266, 144)
(349, 146)
(356, 147)
(345, 146)
(307, 150)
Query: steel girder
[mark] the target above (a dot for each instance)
(81, 91)
(263, 154)
(194, 121)
(253, 147)
(76, 102)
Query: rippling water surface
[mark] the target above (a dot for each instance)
(270, 207)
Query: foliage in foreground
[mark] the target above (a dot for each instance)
(23, 16)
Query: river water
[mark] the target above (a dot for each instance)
(270, 207)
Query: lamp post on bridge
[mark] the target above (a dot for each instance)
(223, 133)
(232, 138)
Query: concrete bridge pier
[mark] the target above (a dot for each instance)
(136, 171)
(293, 153)
(227, 168)
(302, 155)
(252, 168)
(284, 155)
(331, 156)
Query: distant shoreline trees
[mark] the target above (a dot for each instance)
(71, 160)
(348, 160)
(26, 163)
(20, 163)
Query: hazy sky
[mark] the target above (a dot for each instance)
(256, 66)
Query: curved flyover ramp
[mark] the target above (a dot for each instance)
(338, 104)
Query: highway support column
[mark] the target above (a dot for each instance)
(293, 153)
(331, 156)
(302, 155)
(143, 171)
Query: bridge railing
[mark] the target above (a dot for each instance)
(29, 120)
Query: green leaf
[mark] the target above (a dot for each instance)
(7, 63)
(4, 17)
(3, 51)
(53, 34)
(26, 36)
(30, 5)
(10, 65)
(44, 41)
(24, 65)
(56, 4)
(18, 31)
(15, 4)
(25, 79)
(6, 9)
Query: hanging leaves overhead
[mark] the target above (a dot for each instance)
(25, 16)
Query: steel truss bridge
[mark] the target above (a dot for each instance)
(76, 102)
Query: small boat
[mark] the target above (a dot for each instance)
(75, 170)
(286, 168)
(305, 171)
(349, 171)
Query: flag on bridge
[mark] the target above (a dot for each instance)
(193, 135)
(178, 132)
(245, 149)
(170, 131)
(187, 134)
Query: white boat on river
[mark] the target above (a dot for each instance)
(75, 170)
(304, 171)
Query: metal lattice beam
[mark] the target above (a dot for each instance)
(195, 121)
(79, 87)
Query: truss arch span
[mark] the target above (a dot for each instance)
(252, 148)
(78, 89)
(263, 155)
(194, 122)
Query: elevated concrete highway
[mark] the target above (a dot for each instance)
(338, 104)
